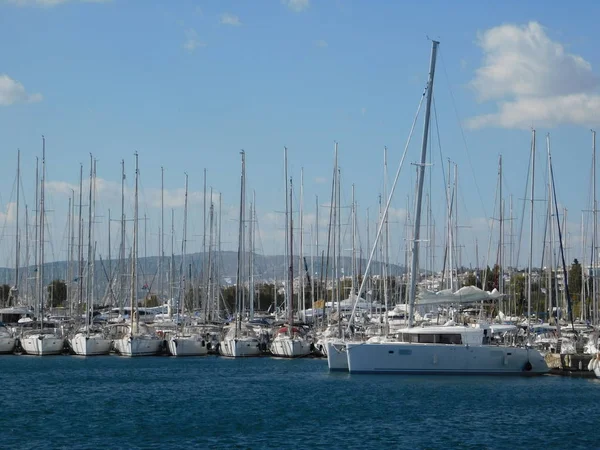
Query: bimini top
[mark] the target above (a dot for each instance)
(466, 294)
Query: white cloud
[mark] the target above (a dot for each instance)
(320, 180)
(321, 43)
(297, 5)
(10, 214)
(192, 42)
(534, 80)
(50, 3)
(11, 91)
(230, 19)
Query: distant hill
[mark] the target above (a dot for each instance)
(266, 268)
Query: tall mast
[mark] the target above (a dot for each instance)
(204, 268)
(551, 256)
(238, 285)
(110, 273)
(353, 260)
(251, 231)
(316, 253)
(210, 284)
(89, 250)
(501, 244)
(421, 175)
(531, 200)
(218, 277)
(133, 286)
(80, 244)
(287, 206)
(36, 244)
(172, 271)
(385, 243)
(182, 290)
(560, 240)
(93, 242)
(161, 234)
(27, 254)
(301, 305)
(122, 249)
(291, 268)
(42, 246)
(15, 292)
(594, 262)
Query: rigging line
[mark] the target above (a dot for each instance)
(441, 155)
(462, 133)
(387, 205)
(516, 262)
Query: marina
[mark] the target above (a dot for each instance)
(299, 224)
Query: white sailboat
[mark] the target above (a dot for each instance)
(187, 341)
(90, 341)
(41, 341)
(290, 341)
(240, 339)
(439, 350)
(7, 340)
(137, 340)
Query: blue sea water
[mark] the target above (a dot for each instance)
(68, 402)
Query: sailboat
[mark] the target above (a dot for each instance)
(7, 340)
(447, 349)
(290, 341)
(90, 340)
(41, 341)
(189, 341)
(240, 339)
(136, 338)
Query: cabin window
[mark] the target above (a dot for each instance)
(426, 338)
(449, 339)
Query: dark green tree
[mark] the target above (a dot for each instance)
(57, 293)
(575, 282)
(5, 294)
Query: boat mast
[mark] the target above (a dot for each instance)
(89, 251)
(531, 200)
(37, 238)
(594, 237)
(240, 262)
(210, 285)
(27, 254)
(251, 258)
(218, 277)
(41, 261)
(80, 244)
(385, 244)
(182, 290)
(421, 174)
(15, 293)
(291, 268)
(302, 293)
(204, 263)
(161, 234)
(133, 286)
(122, 249)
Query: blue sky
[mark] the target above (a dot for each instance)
(188, 84)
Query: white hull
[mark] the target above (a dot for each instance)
(240, 347)
(187, 346)
(290, 347)
(337, 358)
(7, 344)
(42, 344)
(90, 346)
(137, 346)
(411, 358)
